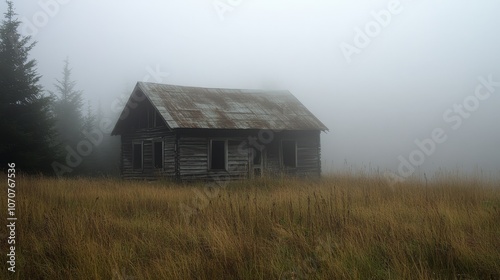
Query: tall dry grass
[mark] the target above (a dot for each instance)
(339, 227)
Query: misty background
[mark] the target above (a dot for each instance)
(393, 91)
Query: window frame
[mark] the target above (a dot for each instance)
(157, 117)
(257, 154)
(257, 169)
(154, 118)
(134, 143)
(154, 141)
(226, 156)
(282, 152)
(151, 119)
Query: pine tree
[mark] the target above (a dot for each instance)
(26, 123)
(90, 119)
(68, 109)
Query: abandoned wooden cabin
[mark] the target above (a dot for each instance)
(192, 133)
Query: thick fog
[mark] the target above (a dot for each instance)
(381, 75)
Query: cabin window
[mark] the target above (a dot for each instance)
(257, 157)
(158, 154)
(218, 155)
(158, 119)
(257, 162)
(154, 118)
(143, 120)
(137, 155)
(289, 153)
(151, 117)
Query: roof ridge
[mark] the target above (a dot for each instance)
(217, 88)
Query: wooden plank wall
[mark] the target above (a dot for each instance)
(186, 154)
(272, 163)
(308, 154)
(238, 160)
(147, 136)
(193, 157)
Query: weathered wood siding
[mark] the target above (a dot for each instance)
(308, 154)
(193, 156)
(238, 159)
(272, 163)
(146, 137)
(186, 154)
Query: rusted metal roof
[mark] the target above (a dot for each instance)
(216, 108)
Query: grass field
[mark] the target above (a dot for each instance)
(339, 227)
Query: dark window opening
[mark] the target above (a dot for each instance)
(257, 157)
(151, 120)
(143, 119)
(158, 154)
(289, 153)
(137, 156)
(158, 119)
(218, 155)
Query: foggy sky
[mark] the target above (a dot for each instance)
(395, 90)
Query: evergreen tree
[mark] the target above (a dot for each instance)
(68, 109)
(90, 119)
(26, 123)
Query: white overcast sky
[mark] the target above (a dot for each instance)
(395, 90)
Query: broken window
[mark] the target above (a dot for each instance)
(289, 153)
(218, 154)
(137, 156)
(158, 154)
